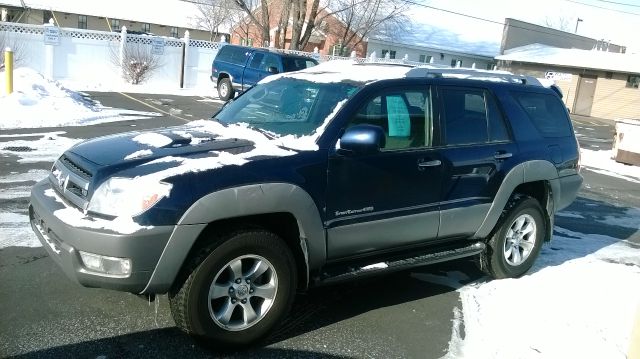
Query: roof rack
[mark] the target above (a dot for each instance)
(473, 74)
(367, 63)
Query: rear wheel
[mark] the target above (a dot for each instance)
(225, 89)
(516, 243)
(236, 291)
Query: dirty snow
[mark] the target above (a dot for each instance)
(47, 147)
(31, 176)
(16, 231)
(39, 102)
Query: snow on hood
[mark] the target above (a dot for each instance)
(39, 102)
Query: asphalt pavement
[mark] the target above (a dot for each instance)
(402, 315)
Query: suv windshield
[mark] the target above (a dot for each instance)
(287, 106)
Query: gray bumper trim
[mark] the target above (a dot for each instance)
(63, 242)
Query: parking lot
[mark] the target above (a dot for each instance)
(408, 314)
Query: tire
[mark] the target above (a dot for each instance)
(516, 242)
(225, 89)
(236, 289)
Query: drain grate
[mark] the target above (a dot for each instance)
(19, 149)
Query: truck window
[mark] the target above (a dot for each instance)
(256, 60)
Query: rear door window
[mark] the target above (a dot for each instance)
(471, 116)
(546, 112)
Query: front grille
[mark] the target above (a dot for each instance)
(71, 181)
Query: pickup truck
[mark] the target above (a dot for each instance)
(238, 68)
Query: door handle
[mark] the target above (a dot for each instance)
(502, 155)
(433, 163)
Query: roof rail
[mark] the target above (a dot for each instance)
(473, 74)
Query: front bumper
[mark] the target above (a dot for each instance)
(63, 241)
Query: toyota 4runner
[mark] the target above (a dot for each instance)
(313, 177)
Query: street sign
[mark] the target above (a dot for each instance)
(51, 35)
(157, 46)
(558, 76)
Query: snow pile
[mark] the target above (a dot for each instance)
(601, 162)
(578, 302)
(38, 102)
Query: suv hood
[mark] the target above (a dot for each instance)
(149, 146)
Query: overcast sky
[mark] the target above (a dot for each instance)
(606, 20)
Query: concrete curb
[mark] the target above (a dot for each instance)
(634, 342)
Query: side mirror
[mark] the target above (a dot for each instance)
(362, 139)
(272, 70)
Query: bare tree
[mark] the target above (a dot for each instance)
(212, 14)
(363, 18)
(259, 18)
(138, 63)
(559, 23)
(19, 51)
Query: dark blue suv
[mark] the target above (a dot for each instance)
(238, 68)
(308, 178)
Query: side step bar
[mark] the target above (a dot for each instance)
(345, 273)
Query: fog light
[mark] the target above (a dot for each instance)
(106, 265)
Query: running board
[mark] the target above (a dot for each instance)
(344, 273)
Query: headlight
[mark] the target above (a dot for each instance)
(127, 196)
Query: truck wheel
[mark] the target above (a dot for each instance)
(236, 290)
(225, 89)
(515, 245)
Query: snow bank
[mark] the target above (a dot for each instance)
(38, 102)
(601, 162)
(578, 302)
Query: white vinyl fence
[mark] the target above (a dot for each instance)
(94, 56)
(88, 56)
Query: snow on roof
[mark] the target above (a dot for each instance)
(345, 70)
(588, 59)
(431, 37)
(167, 12)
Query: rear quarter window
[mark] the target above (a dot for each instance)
(546, 112)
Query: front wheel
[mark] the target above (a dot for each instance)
(225, 89)
(237, 290)
(516, 243)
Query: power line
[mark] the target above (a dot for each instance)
(558, 33)
(619, 3)
(603, 8)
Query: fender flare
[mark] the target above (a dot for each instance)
(530, 171)
(239, 202)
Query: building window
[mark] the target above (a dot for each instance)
(425, 59)
(146, 27)
(456, 63)
(46, 16)
(392, 53)
(174, 32)
(115, 24)
(82, 21)
(633, 81)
